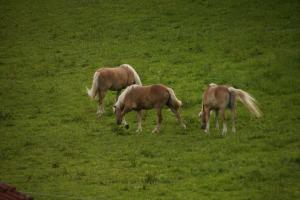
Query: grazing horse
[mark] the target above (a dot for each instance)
(220, 97)
(138, 98)
(114, 79)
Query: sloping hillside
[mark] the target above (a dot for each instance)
(52, 145)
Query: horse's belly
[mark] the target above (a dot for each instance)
(144, 106)
(113, 88)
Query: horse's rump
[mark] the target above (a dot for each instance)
(232, 99)
(216, 96)
(173, 101)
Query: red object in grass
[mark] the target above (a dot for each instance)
(8, 192)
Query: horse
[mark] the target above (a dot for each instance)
(115, 79)
(221, 97)
(138, 98)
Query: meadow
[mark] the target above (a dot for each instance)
(53, 146)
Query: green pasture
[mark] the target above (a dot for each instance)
(53, 146)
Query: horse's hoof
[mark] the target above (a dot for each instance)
(99, 113)
(155, 131)
(127, 126)
(138, 130)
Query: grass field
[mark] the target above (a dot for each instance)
(53, 146)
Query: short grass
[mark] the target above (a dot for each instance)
(53, 146)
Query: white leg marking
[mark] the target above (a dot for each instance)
(139, 119)
(233, 130)
(156, 129)
(224, 128)
(207, 127)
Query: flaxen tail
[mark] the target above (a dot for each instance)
(176, 103)
(136, 76)
(94, 90)
(247, 100)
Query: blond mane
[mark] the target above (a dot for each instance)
(135, 74)
(124, 93)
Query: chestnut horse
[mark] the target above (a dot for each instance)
(220, 97)
(114, 79)
(138, 98)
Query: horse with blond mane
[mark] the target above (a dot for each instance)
(138, 98)
(218, 98)
(115, 79)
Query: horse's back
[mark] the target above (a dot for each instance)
(115, 78)
(158, 88)
(112, 73)
(157, 91)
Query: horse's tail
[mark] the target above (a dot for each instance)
(247, 100)
(93, 91)
(136, 76)
(176, 103)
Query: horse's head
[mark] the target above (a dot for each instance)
(118, 114)
(202, 119)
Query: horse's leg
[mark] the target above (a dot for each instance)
(101, 103)
(207, 116)
(217, 118)
(233, 116)
(117, 97)
(124, 122)
(224, 121)
(139, 120)
(158, 120)
(177, 114)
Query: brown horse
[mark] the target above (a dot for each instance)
(220, 97)
(114, 79)
(140, 98)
